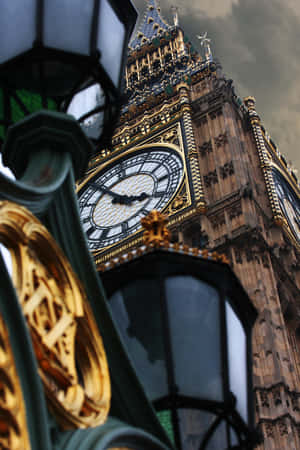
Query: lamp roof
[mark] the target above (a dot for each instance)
(159, 255)
(157, 236)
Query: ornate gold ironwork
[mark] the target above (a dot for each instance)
(156, 232)
(13, 427)
(68, 347)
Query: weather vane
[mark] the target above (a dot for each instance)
(174, 10)
(205, 42)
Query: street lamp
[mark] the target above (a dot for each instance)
(52, 51)
(71, 58)
(186, 322)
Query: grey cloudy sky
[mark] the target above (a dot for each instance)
(257, 43)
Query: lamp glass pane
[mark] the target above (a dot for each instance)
(17, 27)
(233, 437)
(194, 317)
(237, 359)
(84, 102)
(111, 35)
(165, 418)
(67, 25)
(137, 311)
(193, 425)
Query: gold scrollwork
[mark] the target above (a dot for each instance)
(171, 136)
(68, 346)
(13, 427)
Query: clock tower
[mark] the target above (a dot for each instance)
(188, 146)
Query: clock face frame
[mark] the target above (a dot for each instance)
(113, 200)
(288, 202)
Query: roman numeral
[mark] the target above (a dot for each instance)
(124, 226)
(145, 159)
(121, 172)
(104, 234)
(89, 231)
(163, 178)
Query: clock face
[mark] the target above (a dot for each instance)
(289, 203)
(113, 201)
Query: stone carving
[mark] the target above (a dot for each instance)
(269, 430)
(264, 398)
(282, 426)
(238, 256)
(205, 148)
(277, 396)
(222, 139)
(217, 220)
(210, 178)
(227, 170)
(235, 211)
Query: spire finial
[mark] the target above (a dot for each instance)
(205, 42)
(174, 10)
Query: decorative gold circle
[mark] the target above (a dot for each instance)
(68, 346)
(13, 426)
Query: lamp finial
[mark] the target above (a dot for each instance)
(156, 232)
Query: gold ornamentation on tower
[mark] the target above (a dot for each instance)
(68, 347)
(13, 427)
(156, 233)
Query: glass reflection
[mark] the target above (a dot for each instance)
(110, 40)
(237, 355)
(84, 102)
(17, 27)
(69, 29)
(139, 322)
(6, 258)
(194, 424)
(194, 316)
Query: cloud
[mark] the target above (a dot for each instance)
(257, 42)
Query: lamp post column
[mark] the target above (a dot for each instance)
(44, 151)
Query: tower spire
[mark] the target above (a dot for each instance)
(151, 26)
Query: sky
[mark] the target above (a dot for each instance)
(257, 43)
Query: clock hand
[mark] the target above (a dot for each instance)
(128, 199)
(117, 198)
(104, 189)
(122, 199)
(140, 197)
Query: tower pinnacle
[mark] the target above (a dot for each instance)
(205, 42)
(174, 10)
(152, 25)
